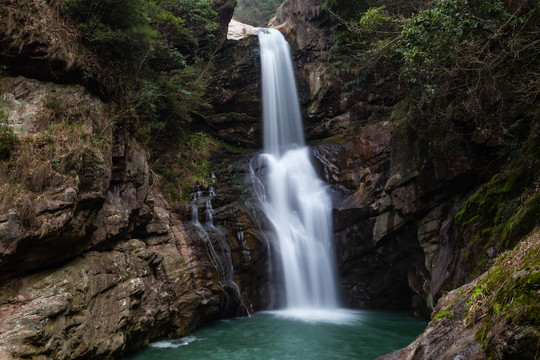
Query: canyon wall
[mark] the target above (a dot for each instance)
(95, 261)
(415, 229)
(394, 202)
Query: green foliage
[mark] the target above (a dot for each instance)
(119, 27)
(158, 46)
(470, 66)
(445, 313)
(185, 21)
(374, 19)
(256, 12)
(191, 166)
(7, 140)
(132, 29)
(355, 28)
(434, 37)
(504, 210)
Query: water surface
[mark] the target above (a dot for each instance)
(359, 335)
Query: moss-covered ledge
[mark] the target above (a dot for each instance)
(496, 316)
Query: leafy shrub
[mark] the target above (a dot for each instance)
(7, 140)
(256, 13)
(470, 65)
(159, 44)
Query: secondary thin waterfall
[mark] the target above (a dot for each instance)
(208, 232)
(295, 200)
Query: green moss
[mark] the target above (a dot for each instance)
(524, 220)
(7, 140)
(502, 211)
(444, 313)
(509, 293)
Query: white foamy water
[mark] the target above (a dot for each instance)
(338, 316)
(173, 344)
(294, 199)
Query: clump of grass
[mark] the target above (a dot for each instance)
(190, 166)
(41, 163)
(508, 294)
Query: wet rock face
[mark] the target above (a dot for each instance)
(391, 214)
(236, 95)
(237, 220)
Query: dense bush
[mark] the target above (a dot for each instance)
(256, 13)
(469, 64)
(157, 44)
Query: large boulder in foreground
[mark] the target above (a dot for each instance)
(496, 316)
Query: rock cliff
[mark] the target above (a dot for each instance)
(403, 239)
(393, 200)
(91, 251)
(94, 261)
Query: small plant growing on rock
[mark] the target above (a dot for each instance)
(7, 140)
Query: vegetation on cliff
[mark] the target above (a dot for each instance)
(152, 59)
(256, 13)
(471, 66)
(470, 71)
(161, 49)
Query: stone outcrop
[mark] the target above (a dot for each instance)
(238, 30)
(94, 261)
(236, 95)
(389, 216)
(472, 321)
(100, 265)
(104, 304)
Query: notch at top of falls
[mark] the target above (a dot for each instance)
(293, 198)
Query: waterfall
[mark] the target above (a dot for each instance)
(294, 199)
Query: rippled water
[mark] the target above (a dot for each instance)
(280, 335)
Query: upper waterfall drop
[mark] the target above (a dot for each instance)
(295, 200)
(282, 128)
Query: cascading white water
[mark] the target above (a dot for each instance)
(208, 232)
(295, 200)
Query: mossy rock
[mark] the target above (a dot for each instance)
(502, 211)
(506, 301)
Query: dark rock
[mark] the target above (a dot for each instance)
(236, 95)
